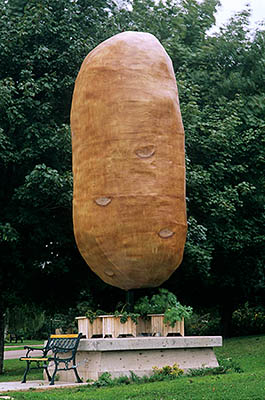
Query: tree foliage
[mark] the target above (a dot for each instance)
(225, 146)
(42, 44)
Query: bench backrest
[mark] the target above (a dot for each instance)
(63, 343)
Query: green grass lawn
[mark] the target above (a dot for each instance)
(14, 371)
(20, 346)
(248, 352)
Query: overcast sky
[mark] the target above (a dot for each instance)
(229, 7)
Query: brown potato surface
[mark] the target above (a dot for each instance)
(129, 206)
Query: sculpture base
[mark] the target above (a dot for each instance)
(139, 355)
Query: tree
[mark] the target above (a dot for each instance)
(221, 91)
(42, 44)
(221, 87)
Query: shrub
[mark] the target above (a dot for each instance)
(168, 371)
(225, 365)
(26, 320)
(104, 380)
(248, 320)
(165, 303)
(203, 324)
(159, 374)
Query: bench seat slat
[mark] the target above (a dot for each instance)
(34, 359)
(66, 336)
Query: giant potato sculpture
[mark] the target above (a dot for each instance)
(128, 162)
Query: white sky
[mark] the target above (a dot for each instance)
(229, 7)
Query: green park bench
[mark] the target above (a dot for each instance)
(59, 349)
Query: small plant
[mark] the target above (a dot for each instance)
(135, 378)
(125, 315)
(204, 323)
(230, 365)
(104, 380)
(247, 320)
(159, 374)
(92, 315)
(122, 380)
(225, 365)
(174, 314)
(163, 303)
(134, 317)
(168, 371)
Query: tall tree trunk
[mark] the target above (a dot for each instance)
(2, 340)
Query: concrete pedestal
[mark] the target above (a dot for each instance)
(140, 354)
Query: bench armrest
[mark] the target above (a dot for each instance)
(30, 349)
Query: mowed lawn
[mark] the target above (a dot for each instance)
(248, 352)
(20, 346)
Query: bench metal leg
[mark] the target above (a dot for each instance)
(26, 372)
(47, 373)
(53, 375)
(79, 380)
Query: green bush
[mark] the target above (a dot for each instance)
(104, 380)
(165, 303)
(167, 372)
(159, 374)
(203, 324)
(225, 365)
(26, 320)
(248, 320)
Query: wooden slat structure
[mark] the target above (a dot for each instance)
(110, 326)
(158, 327)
